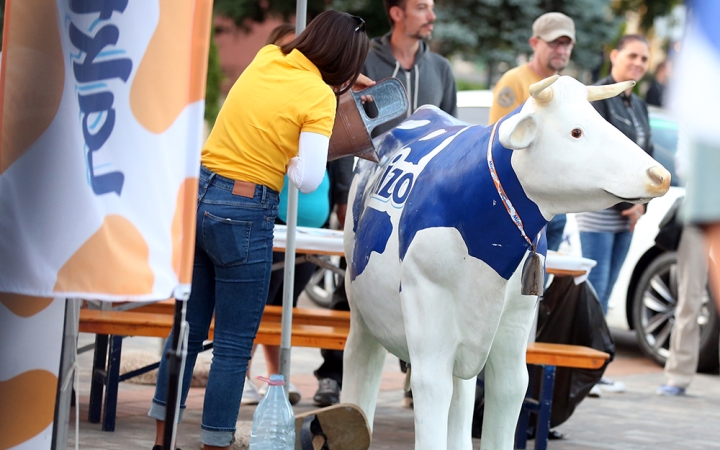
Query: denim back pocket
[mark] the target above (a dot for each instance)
(227, 241)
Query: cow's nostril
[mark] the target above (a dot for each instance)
(656, 175)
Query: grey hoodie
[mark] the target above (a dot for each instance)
(431, 72)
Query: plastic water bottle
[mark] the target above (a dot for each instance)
(273, 425)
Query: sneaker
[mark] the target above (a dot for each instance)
(407, 400)
(328, 392)
(294, 395)
(670, 391)
(608, 385)
(595, 392)
(250, 395)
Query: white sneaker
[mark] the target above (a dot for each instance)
(608, 385)
(250, 395)
(595, 392)
(294, 395)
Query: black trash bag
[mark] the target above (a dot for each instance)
(568, 314)
(571, 314)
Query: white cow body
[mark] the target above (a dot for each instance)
(434, 253)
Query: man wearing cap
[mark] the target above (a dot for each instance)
(552, 42)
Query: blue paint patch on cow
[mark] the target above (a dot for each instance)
(375, 229)
(363, 170)
(456, 190)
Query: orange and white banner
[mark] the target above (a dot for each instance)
(102, 107)
(30, 350)
(101, 118)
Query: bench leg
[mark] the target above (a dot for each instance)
(97, 382)
(113, 376)
(521, 432)
(529, 406)
(542, 429)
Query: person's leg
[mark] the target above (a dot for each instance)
(238, 234)
(555, 229)
(620, 247)
(251, 393)
(692, 273)
(199, 313)
(598, 246)
(330, 373)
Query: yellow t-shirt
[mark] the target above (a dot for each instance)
(258, 128)
(511, 91)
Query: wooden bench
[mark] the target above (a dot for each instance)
(320, 328)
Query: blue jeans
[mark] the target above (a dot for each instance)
(231, 272)
(555, 229)
(609, 250)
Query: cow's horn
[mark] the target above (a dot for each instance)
(607, 91)
(538, 91)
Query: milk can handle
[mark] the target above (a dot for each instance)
(390, 100)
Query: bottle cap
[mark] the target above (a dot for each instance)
(274, 380)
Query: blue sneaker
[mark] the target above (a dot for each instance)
(670, 391)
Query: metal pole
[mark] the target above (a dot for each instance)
(67, 374)
(289, 279)
(176, 356)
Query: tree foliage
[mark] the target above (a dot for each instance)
(649, 10)
(498, 30)
(258, 11)
(212, 84)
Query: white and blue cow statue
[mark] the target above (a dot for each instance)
(436, 234)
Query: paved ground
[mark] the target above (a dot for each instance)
(636, 419)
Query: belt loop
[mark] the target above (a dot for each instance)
(263, 197)
(211, 176)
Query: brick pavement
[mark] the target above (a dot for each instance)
(636, 419)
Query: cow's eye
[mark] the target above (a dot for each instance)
(576, 133)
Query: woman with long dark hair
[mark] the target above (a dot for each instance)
(277, 119)
(605, 235)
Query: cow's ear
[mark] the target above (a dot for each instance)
(518, 131)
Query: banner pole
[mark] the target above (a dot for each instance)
(176, 355)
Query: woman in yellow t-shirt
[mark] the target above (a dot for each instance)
(277, 119)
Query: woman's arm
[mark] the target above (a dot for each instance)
(307, 169)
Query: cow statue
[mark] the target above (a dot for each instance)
(436, 234)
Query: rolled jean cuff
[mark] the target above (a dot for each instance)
(157, 411)
(217, 438)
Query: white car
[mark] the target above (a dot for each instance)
(645, 294)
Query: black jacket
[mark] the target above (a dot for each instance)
(614, 111)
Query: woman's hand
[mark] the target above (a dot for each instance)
(634, 214)
(362, 82)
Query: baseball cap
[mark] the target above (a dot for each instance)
(553, 25)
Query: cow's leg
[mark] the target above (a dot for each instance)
(506, 377)
(461, 414)
(363, 362)
(432, 354)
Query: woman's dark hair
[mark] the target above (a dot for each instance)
(337, 44)
(631, 38)
(279, 32)
(387, 4)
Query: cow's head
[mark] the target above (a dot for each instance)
(569, 159)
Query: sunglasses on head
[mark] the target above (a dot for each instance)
(360, 22)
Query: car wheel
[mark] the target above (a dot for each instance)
(321, 286)
(654, 305)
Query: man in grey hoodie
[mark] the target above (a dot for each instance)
(404, 54)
